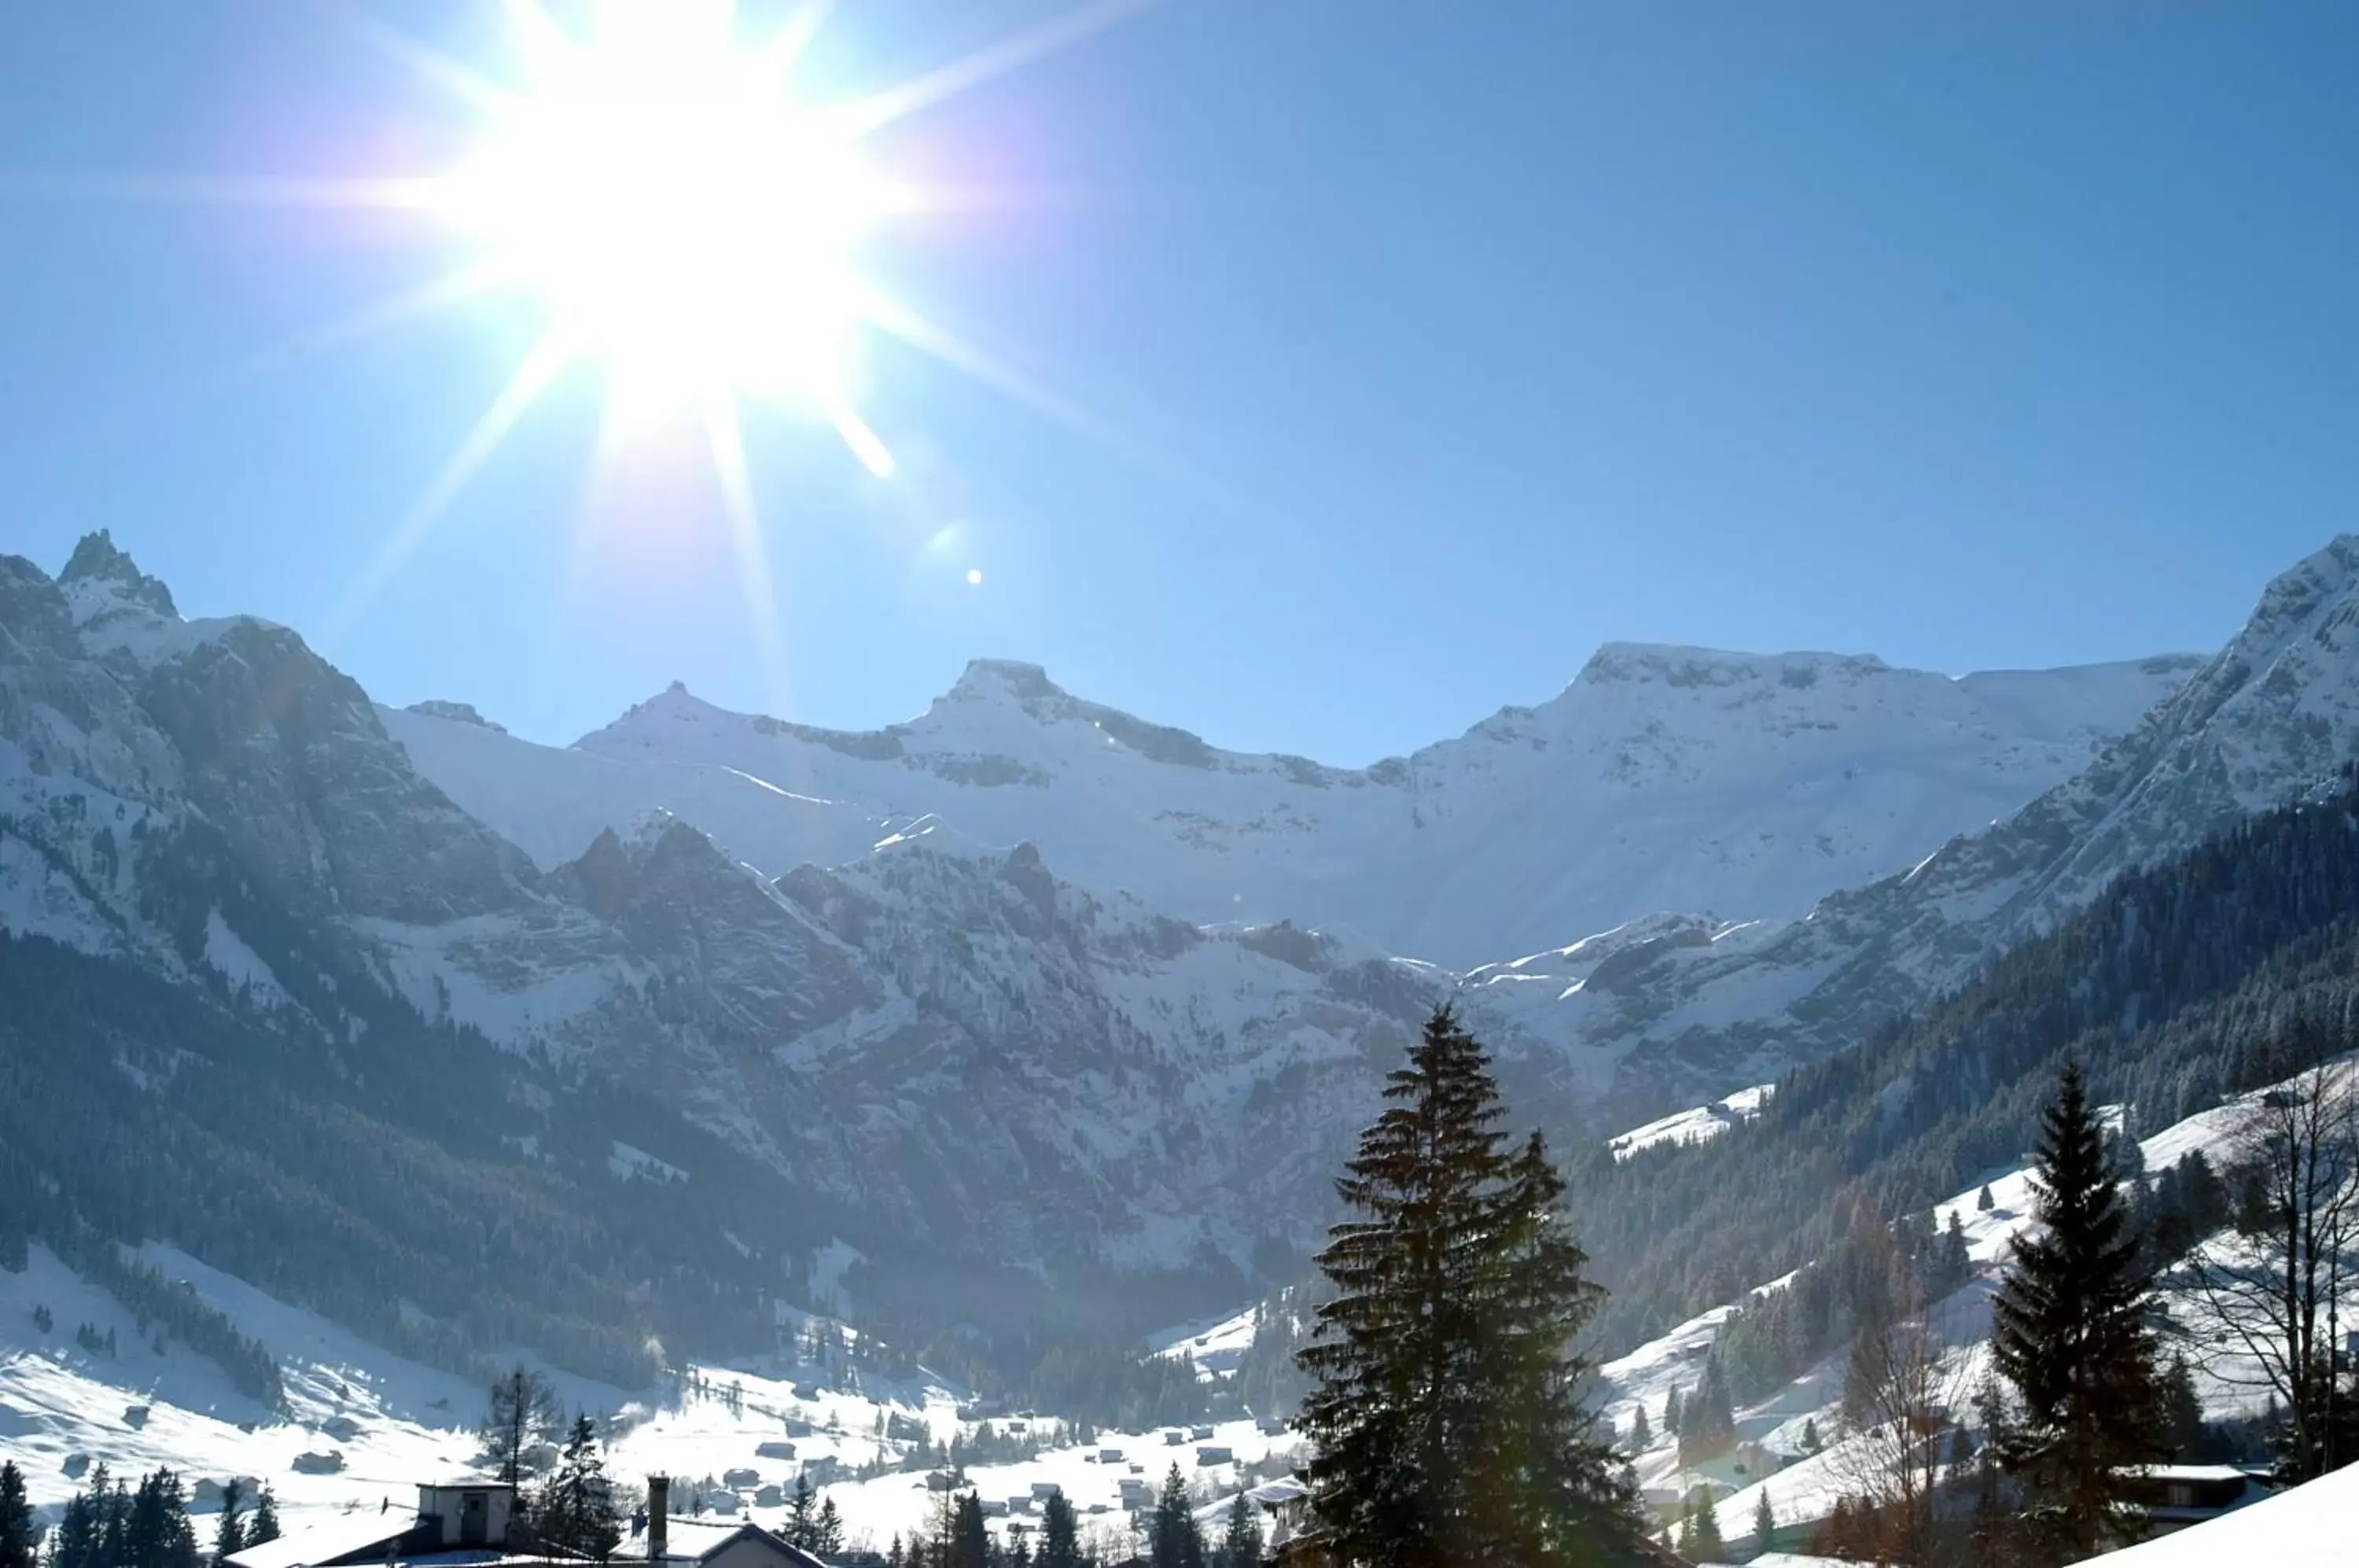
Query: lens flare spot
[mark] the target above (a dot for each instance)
(974, 576)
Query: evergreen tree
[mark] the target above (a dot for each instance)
(1765, 1521)
(1174, 1540)
(2183, 1428)
(1642, 1436)
(1810, 1443)
(802, 1519)
(1984, 1202)
(577, 1510)
(1443, 1414)
(15, 1519)
(2073, 1336)
(1671, 1412)
(1060, 1534)
(1708, 1419)
(264, 1526)
(229, 1531)
(969, 1545)
(1708, 1547)
(827, 1529)
(1241, 1541)
(157, 1532)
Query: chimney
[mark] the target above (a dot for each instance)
(658, 1515)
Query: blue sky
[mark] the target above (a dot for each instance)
(1425, 348)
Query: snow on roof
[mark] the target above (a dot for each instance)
(696, 1539)
(2309, 1527)
(326, 1542)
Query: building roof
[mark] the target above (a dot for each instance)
(2308, 1527)
(697, 1539)
(371, 1531)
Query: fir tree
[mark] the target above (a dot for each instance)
(1708, 1545)
(802, 1519)
(1174, 1540)
(2073, 1336)
(969, 1545)
(2182, 1412)
(1810, 1443)
(1765, 1521)
(1241, 1541)
(1443, 1415)
(827, 1529)
(1642, 1436)
(15, 1519)
(229, 1531)
(264, 1526)
(1060, 1534)
(577, 1511)
(1671, 1412)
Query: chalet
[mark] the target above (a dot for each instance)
(704, 1543)
(1210, 1455)
(460, 1521)
(1199, 1434)
(2173, 1497)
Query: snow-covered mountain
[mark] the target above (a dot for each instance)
(1701, 1009)
(1069, 991)
(1660, 779)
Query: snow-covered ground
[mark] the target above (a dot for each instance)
(1807, 1489)
(393, 1422)
(2314, 1526)
(1698, 1125)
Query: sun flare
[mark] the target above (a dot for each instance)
(686, 222)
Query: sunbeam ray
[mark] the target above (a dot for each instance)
(1034, 43)
(785, 50)
(226, 190)
(452, 287)
(547, 47)
(728, 438)
(891, 316)
(459, 80)
(523, 389)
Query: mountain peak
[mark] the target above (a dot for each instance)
(97, 560)
(1669, 664)
(984, 678)
(457, 713)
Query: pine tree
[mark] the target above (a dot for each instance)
(229, 1532)
(1984, 1202)
(1642, 1436)
(577, 1510)
(1671, 1412)
(1810, 1443)
(969, 1545)
(802, 1521)
(2073, 1336)
(1443, 1414)
(264, 1526)
(1765, 1521)
(2183, 1412)
(1709, 1547)
(1174, 1540)
(15, 1519)
(1241, 1543)
(1060, 1534)
(827, 1530)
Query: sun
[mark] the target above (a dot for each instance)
(688, 224)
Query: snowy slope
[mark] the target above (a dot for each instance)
(394, 1423)
(1705, 1008)
(1660, 779)
(2309, 1527)
(1806, 1490)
